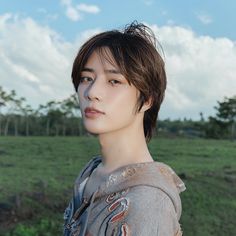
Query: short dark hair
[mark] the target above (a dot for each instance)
(134, 50)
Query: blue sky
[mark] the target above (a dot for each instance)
(198, 38)
(214, 18)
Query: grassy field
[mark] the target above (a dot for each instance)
(37, 175)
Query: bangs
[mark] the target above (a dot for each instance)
(113, 56)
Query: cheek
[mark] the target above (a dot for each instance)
(80, 94)
(123, 103)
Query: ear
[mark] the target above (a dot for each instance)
(146, 105)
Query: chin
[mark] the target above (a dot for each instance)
(94, 130)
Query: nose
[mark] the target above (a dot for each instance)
(94, 91)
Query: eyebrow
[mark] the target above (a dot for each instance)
(87, 69)
(109, 71)
(113, 71)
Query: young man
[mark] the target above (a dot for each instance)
(120, 80)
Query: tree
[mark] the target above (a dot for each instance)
(17, 109)
(223, 125)
(28, 112)
(70, 109)
(48, 113)
(2, 104)
(12, 105)
(54, 118)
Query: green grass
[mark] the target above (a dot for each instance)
(37, 175)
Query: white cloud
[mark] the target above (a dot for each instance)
(4, 18)
(37, 63)
(47, 15)
(204, 18)
(66, 2)
(201, 70)
(148, 2)
(74, 13)
(85, 35)
(88, 8)
(42, 10)
(170, 22)
(20, 70)
(164, 13)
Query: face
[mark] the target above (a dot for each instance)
(107, 101)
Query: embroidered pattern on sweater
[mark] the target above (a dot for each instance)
(122, 206)
(126, 173)
(121, 230)
(113, 196)
(124, 230)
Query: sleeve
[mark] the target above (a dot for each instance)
(150, 212)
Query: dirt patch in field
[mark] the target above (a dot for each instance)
(2, 152)
(26, 206)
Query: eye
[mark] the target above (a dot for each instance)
(114, 82)
(85, 79)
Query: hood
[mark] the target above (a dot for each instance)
(154, 174)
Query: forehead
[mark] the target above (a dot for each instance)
(105, 57)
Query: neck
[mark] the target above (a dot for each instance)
(123, 147)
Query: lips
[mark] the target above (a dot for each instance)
(92, 110)
(92, 113)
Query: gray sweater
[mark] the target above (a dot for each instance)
(138, 199)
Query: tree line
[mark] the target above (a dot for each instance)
(53, 118)
(62, 118)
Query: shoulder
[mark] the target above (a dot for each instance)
(152, 212)
(148, 211)
(150, 201)
(146, 193)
